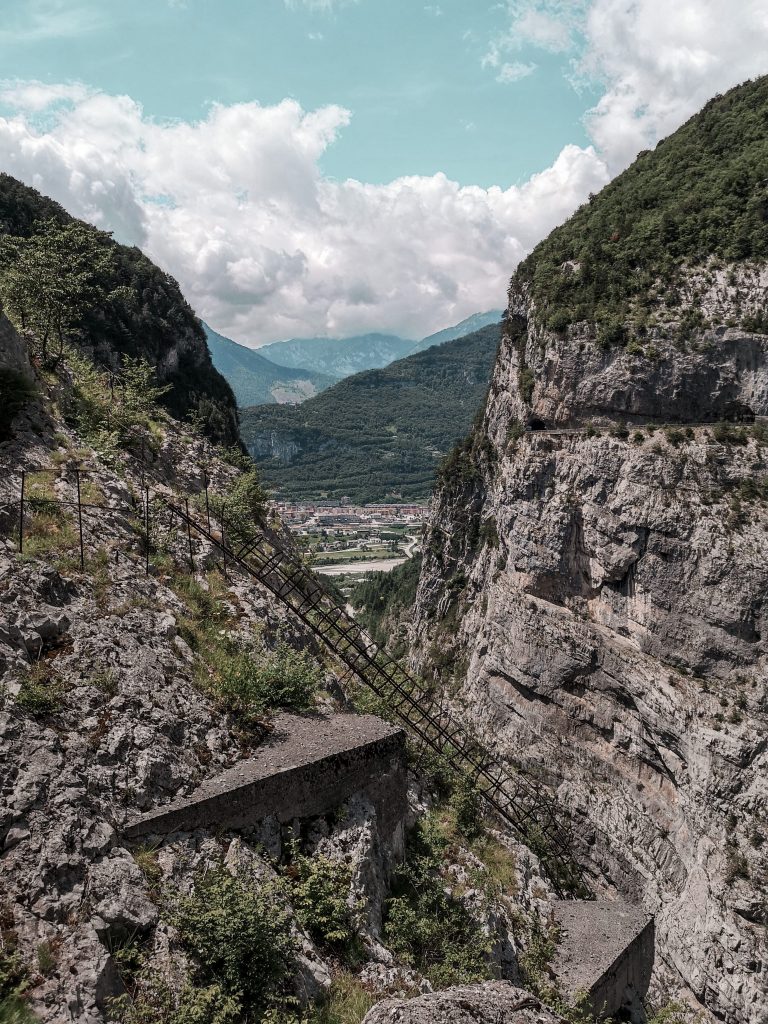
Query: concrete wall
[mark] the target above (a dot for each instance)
(606, 950)
(622, 988)
(315, 766)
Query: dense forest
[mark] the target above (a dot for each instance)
(702, 193)
(385, 597)
(379, 434)
(144, 313)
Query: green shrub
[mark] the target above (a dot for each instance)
(727, 433)
(155, 1003)
(612, 332)
(526, 381)
(515, 431)
(41, 691)
(252, 683)
(13, 983)
(319, 895)
(489, 533)
(240, 938)
(245, 505)
(674, 436)
(426, 926)
(559, 320)
(464, 804)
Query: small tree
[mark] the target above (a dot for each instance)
(49, 281)
(141, 392)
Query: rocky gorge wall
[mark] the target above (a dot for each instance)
(601, 600)
(719, 372)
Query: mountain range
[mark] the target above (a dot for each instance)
(256, 380)
(288, 372)
(378, 434)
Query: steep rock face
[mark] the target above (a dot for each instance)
(723, 374)
(602, 600)
(13, 351)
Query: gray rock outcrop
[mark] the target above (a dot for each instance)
(601, 604)
(496, 1002)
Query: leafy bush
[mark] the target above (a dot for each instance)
(245, 505)
(240, 938)
(515, 431)
(526, 381)
(40, 692)
(426, 926)
(251, 683)
(464, 804)
(155, 1003)
(319, 895)
(727, 433)
(13, 983)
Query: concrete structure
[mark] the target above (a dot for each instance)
(606, 950)
(309, 766)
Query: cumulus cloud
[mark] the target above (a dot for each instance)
(657, 62)
(264, 245)
(514, 71)
(661, 62)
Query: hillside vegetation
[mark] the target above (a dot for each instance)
(140, 312)
(378, 434)
(702, 194)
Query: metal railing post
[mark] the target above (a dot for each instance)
(21, 513)
(223, 540)
(189, 536)
(146, 525)
(80, 518)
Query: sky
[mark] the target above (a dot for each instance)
(332, 167)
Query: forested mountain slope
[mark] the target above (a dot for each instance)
(339, 357)
(142, 312)
(377, 434)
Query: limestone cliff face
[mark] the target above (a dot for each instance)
(706, 376)
(600, 602)
(13, 352)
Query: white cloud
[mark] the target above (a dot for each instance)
(514, 71)
(657, 62)
(28, 21)
(661, 62)
(324, 6)
(37, 96)
(264, 245)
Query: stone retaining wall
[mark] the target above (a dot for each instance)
(606, 950)
(309, 766)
